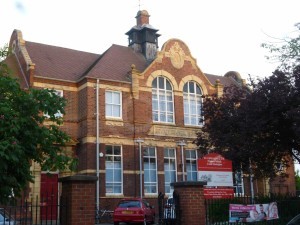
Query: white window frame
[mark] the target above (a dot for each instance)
(188, 160)
(167, 168)
(147, 159)
(60, 93)
(192, 100)
(163, 101)
(113, 104)
(113, 182)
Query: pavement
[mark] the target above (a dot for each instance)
(119, 224)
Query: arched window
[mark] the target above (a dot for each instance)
(162, 101)
(192, 100)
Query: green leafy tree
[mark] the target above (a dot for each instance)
(257, 127)
(286, 51)
(23, 137)
(297, 177)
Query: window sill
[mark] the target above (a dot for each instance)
(163, 123)
(114, 118)
(151, 194)
(114, 195)
(193, 126)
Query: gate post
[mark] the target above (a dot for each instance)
(80, 193)
(191, 200)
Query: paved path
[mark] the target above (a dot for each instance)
(120, 224)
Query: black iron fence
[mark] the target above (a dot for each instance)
(45, 210)
(217, 210)
(168, 209)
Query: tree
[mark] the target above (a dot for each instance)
(297, 177)
(257, 127)
(286, 51)
(23, 137)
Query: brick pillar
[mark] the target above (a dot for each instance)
(191, 200)
(79, 194)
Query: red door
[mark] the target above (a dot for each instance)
(49, 196)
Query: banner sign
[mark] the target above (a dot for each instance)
(252, 213)
(215, 170)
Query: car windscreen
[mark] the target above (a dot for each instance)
(129, 204)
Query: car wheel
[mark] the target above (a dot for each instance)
(116, 223)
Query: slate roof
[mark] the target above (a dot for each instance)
(59, 63)
(72, 65)
(116, 63)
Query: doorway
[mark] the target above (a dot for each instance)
(49, 196)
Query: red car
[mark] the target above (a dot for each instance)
(134, 210)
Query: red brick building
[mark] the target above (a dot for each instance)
(130, 105)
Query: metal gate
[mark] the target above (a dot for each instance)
(169, 209)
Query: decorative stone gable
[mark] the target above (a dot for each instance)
(17, 45)
(176, 62)
(177, 55)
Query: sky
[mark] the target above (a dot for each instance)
(223, 35)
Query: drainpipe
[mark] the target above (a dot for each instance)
(97, 145)
(140, 141)
(182, 144)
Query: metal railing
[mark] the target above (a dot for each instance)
(35, 211)
(217, 210)
(168, 209)
(104, 216)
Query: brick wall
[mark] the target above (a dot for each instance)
(192, 205)
(78, 192)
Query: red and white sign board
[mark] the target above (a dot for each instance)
(217, 193)
(215, 170)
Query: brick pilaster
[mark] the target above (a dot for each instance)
(79, 194)
(192, 205)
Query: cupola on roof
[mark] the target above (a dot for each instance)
(143, 37)
(142, 17)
